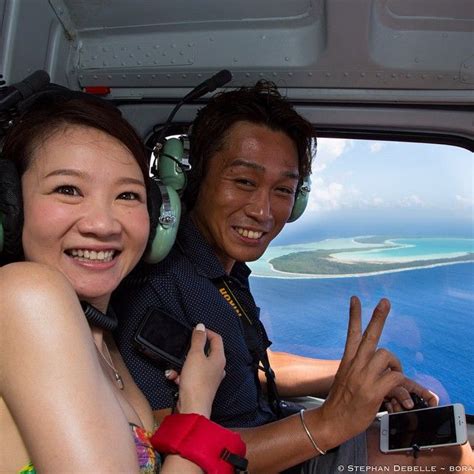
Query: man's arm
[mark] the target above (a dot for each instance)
(282, 444)
(365, 376)
(298, 376)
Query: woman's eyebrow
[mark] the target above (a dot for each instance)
(81, 174)
(66, 172)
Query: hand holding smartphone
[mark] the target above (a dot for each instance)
(425, 428)
(164, 339)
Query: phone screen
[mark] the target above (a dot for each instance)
(161, 336)
(427, 427)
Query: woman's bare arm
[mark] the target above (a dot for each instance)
(51, 380)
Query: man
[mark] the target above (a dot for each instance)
(250, 152)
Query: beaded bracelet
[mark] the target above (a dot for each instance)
(313, 442)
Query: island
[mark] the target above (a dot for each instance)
(322, 262)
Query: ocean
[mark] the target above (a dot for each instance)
(430, 326)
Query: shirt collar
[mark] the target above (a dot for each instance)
(198, 250)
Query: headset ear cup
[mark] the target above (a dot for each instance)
(11, 213)
(170, 169)
(164, 207)
(301, 199)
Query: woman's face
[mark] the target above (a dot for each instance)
(85, 210)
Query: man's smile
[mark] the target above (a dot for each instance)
(248, 233)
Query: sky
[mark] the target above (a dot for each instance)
(356, 181)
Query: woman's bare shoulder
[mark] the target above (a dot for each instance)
(29, 287)
(29, 268)
(30, 275)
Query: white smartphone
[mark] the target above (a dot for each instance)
(426, 428)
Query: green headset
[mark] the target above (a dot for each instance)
(168, 171)
(11, 212)
(301, 199)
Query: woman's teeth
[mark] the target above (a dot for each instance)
(249, 234)
(92, 255)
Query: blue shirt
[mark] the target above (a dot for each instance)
(184, 285)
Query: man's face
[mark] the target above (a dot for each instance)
(248, 192)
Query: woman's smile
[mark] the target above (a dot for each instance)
(95, 256)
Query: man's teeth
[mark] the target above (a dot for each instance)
(102, 256)
(250, 234)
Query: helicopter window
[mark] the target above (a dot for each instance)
(384, 219)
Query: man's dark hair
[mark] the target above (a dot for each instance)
(260, 104)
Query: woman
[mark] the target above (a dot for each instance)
(67, 401)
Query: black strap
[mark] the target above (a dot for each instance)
(240, 464)
(254, 332)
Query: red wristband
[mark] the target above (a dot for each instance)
(215, 449)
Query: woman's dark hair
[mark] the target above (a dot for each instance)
(46, 114)
(52, 112)
(260, 104)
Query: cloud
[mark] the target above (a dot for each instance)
(330, 196)
(374, 201)
(464, 202)
(334, 195)
(375, 147)
(377, 202)
(329, 149)
(325, 196)
(411, 201)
